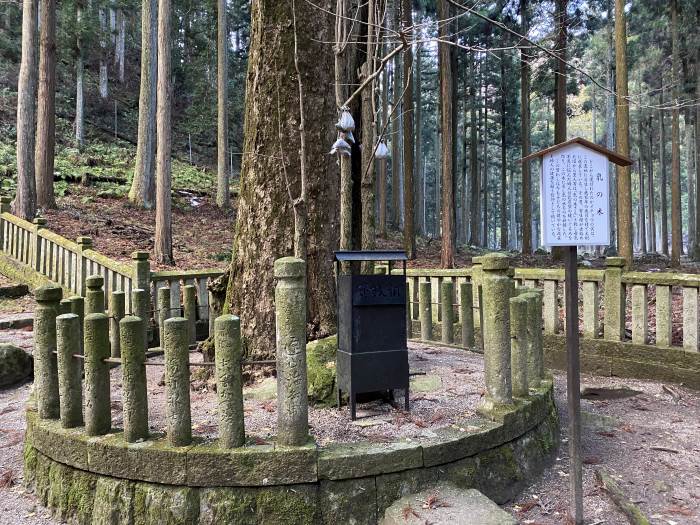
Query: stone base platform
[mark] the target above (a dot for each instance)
(104, 480)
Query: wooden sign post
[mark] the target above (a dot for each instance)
(575, 211)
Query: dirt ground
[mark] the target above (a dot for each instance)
(647, 441)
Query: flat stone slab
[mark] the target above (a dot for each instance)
(446, 505)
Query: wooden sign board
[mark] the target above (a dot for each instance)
(574, 197)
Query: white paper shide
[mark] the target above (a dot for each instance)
(574, 197)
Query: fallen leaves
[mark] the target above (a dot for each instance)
(7, 479)
(433, 502)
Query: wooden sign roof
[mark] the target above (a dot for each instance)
(612, 156)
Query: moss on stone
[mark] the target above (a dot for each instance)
(165, 505)
(320, 365)
(294, 505)
(30, 461)
(235, 505)
(114, 500)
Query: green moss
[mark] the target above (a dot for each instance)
(165, 505)
(234, 505)
(295, 505)
(320, 364)
(30, 463)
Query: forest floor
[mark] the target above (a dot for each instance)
(647, 441)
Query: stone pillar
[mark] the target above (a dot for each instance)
(229, 383)
(426, 310)
(214, 312)
(117, 305)
(77, 307)
(163, 310)
(447, 293)
(614, 298)
(64, 306)
(35, 253)
(591, 308)
(177, 382)
(140, 306)
(497, 288)
(84, 243)
(45, 365)
(535, 360)
(135, 397)
(519, 345)
(476, 284)
(409, 320)
(70, 386)
(690, 319)
(189, 295)
(552, 324)
(466, 314)
(5, 207)
(142, 270)
(664, 314)
(98, 416)
(290, 320)
(640, 317)
(95, 295)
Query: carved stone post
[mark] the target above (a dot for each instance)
(229, 383)
(426, 311)
(84, 243)
(466, 314)
(535, 360)
(614, 297)
(140, 305)
(117, 306)
(163, 310)
(519, 345)
(448, 310)
(70, 386)
(95, 295)
(98, 416)
(135, 410)
(177, 382)
(45, 365)
(189, 295)
(290, 318)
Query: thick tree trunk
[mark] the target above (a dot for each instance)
(46, 114)
(164, 236)
(420, 171)
(25, 201)
(79, 73)
(610, 121)
(662, 167)
(676, 230)
(692, 181)
(504, 173)
(475, 223)
(447, 254)
(622, 137)
(650, 175)
(641, 209)
(525, 130)
(265, 220)
(396, 89)
(143, 185)
(368, 141)
(223, 199)
(409, 234)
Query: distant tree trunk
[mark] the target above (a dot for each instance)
(696, 254)
(464, 174)
(475, 223)
(420, 172)
(223, 199)
(25, 201)
(119, 54)
(264, 204)
(79, 73)
(662, 167)
(485, 158)
(692, 181)
(103, 86)
(622, 138)
(396, 153)
(409, 235)
(525, 130)
(164, 236)
(676, 232)
(142, 191)
(610, 120)
(46, 114)
(504, 173)
(650, 174)
(382, 186)
(560, 88)
(447, 254)
(641, 208)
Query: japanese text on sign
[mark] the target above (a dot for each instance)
(574, 199)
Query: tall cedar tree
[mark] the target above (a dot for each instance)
(525, 129)
(409, 235)
(223, 199)
(676, 239)
(265, 225)
(46, 113)
(560, 17)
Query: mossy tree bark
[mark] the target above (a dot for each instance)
(265, 223)
(143, 187)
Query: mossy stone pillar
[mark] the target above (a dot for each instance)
(497, 288)
(84, 243)
(135, 398)
(476, 287)
(614, 298)
(163, 310)
(140, 306)
(177, 382)
(290, 321)
(640, 316)
(229, 383)
(95, 295)
(409, 320)
(189, 296)
(70, 386)
(117, 306)
(142, 270)
(64, 307)
(447, 292)
(466, 314)
(426, 310)
(664, 315)
(45, 365)
(535, 359)
(77, 307)
(98, 417)
(519, 345)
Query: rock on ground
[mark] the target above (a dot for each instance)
(15, 365)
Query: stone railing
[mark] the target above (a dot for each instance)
(54, 258)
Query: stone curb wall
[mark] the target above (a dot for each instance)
(151, 482)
